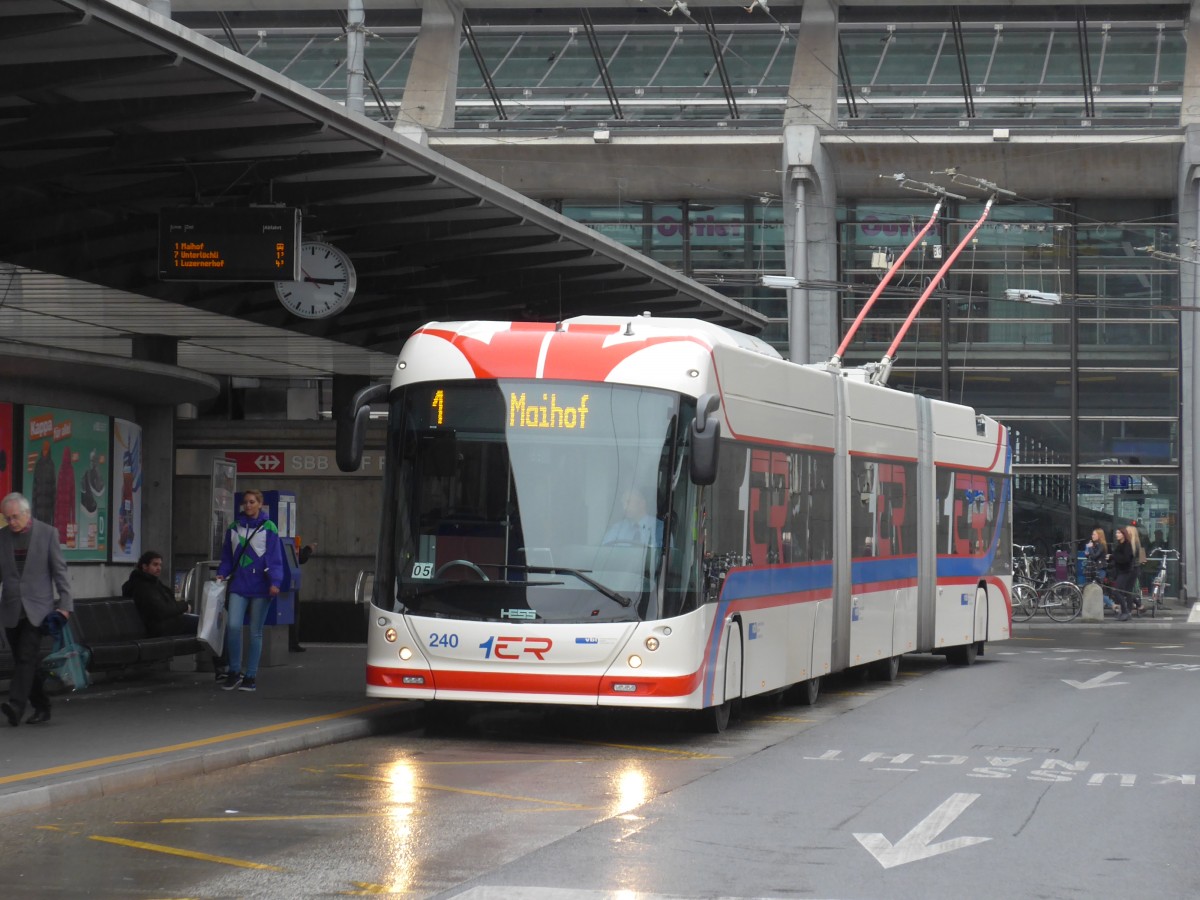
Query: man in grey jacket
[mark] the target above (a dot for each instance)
(31, 568)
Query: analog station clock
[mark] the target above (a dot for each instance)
(326, 285)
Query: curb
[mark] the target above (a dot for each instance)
(1150, 624)
(153, 772)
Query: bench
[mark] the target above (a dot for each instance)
(112, 629)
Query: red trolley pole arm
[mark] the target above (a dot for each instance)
(885, 366)
(836, 359)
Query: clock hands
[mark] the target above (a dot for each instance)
(312, 280)
(324, 284)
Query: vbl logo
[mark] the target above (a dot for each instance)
(514, 647)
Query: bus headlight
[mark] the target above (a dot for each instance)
(406, 653)
(390, 635)
(635, 661)
(652, 643)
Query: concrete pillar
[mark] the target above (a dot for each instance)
(810, 225)
(355, 66)
(810, 232)
(812, 95)
(158, 455)
(158, 481)
(433, 77)
(1189, 109)
(1189, 327)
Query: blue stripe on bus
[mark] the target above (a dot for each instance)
(741, 584)
(865, 572)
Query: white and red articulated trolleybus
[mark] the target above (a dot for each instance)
(802, 520)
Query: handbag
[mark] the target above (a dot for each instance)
(211, 631)
(66, 665)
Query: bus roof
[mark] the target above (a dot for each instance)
(707, 332)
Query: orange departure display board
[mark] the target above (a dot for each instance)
(205, 243)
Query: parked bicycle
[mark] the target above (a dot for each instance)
(1034, 588)
(1158, 587)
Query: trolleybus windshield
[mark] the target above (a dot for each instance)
(531, 500)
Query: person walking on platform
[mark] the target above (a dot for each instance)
(155, 602)
(32, 567)
(252, 561)
(1125, 578)
(1096, 554)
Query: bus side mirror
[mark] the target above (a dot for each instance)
(352, 427)
(706, 440)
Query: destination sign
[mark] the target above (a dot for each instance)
(547, 414)
(253, 243)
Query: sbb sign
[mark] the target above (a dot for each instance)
(299, 463)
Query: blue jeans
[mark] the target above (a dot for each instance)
(233, 632)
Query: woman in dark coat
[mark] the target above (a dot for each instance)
(1125, 576)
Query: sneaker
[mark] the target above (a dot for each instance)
(247, 684)
(232, 680)
(221, 674)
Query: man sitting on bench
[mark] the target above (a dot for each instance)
(156, 603)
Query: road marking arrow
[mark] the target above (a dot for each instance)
(1098, 681)
(916, 844)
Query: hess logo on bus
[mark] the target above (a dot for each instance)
(516, 647)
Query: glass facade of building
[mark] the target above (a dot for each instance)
(1090, 386)
(719, 67)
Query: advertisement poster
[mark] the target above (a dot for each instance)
(127, 491)
(6, 449)
(66, 477)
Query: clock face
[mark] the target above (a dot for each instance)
(326, 285)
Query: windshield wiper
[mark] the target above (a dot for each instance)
(579, 573)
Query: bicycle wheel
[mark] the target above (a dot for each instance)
(1064, 601)
(1024, 602)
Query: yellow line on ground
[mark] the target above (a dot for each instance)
(453, 790)
(366, 888)
(189, 854)
(235, 820)
(187, 745)
(1032, 639)
(687, 754)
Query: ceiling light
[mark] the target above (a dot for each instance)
(1026, 296)
(780, 281)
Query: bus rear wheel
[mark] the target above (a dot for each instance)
(806, 692)
(964, 655)
(886, 669)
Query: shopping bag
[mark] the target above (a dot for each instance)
(212, 617)
(66, 665)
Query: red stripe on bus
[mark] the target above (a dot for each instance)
(533, 683)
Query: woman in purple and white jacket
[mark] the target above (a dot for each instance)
(252, 561)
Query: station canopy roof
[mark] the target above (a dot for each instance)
(110, 113)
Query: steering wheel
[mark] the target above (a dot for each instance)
(465, 563)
